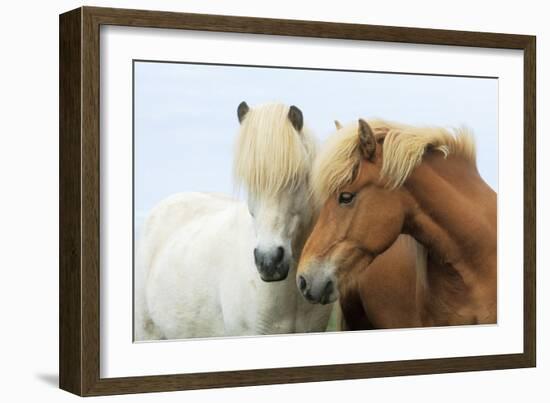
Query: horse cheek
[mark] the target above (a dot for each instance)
(385, 226)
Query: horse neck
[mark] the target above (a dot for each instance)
(453, 212)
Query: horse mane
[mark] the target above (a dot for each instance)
(404, 146)
(270, 155)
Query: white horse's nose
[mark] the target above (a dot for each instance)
(279, 255)
(271, 264)
(269, 258)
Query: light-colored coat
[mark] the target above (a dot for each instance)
(196, 274)
(196, 277)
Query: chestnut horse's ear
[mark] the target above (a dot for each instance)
(367, 142)
(338, 125)
(296, 118)
(242, 110)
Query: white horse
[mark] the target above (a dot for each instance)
(209, 265)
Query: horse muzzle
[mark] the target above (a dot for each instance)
(272, 265)
(317, 289)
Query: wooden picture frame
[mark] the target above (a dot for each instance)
(80, 199)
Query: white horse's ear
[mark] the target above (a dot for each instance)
(338, 125)
(242, 110)
(296, 118)
(367, 142)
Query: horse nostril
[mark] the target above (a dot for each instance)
(302, 283)
(280, 254)
(256, 256)
(329, 287)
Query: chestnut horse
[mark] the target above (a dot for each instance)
(392, 273)
(378, 180)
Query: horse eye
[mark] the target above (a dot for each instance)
(346, 197)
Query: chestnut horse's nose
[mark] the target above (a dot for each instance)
(302, 283)
(317, 290)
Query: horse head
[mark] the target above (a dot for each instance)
(360, 216)
(274, 156)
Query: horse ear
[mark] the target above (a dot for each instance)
(242, 110)
(296, 117)
(338, 125)
(367, 142)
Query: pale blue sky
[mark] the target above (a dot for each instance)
(186, 119)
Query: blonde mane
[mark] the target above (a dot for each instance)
(270, 155)
(338, 162)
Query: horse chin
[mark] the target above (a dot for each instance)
(275, 276)
(324, 299)
(329, 298)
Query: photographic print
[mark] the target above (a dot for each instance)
(271, 200)
(251, 201)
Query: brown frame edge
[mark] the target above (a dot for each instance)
(79, 200)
